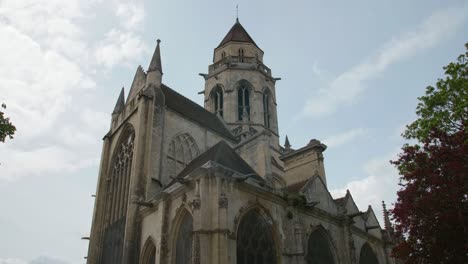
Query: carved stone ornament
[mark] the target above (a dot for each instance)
(223, 201)
(196, 204)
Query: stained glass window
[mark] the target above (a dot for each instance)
(255, 243)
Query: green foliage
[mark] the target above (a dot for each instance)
(445, 106)
(7, 129)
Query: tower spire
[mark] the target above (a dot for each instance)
(287, 145)
(155, 64)
(387, 224)
(120, 104)
(155, 68)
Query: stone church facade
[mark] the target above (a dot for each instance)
(180, 183)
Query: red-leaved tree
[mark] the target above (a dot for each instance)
(431, 212)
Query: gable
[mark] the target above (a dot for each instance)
(372, 221)
(351, 208)
(316, 191)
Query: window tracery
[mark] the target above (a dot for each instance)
(255, 243)
(118, 186)
(243, 101)
(182, 150)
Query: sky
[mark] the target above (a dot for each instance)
(351, 72)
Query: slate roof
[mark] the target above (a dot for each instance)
(224, 155)
(195, 112)
(237, 33)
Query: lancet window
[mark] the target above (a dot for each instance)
(243, 101)
(318, 249)
(255, 244)
(184, 240)
(218, 100)
(182, 150)
(241, 55)
(266, 108)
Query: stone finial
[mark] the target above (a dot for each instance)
(120, 104)
(387, 224)
(155, 64)
(287, 145)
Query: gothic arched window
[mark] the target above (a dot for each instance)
(117, 199)
(243, 101)
(318, 249)
(266, 108)
(184, 240)
(118, 186)
(255, 243)
(217, 99)
(182, 150)
(241, 55)
(367, 255)
(149, 253)
(223, 55)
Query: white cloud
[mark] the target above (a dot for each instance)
(345, 137)
(12, 261)
(131, 14)
(379, 184)
(120, 47)
(348, 86)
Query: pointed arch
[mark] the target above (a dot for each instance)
(149, 252)
(181, 151)
(244, 90)
(182, 243)
(367, 255)
(117, 193)
(319, 247)
(267, 106)
(217, 99)
(255, 238)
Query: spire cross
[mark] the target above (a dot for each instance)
(237, 13)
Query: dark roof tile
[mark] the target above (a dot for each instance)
(195, 112)
(224, 155)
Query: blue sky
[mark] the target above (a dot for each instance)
(351, 72)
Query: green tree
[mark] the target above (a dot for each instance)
(7, 129)
(431, 212)
(445, 106)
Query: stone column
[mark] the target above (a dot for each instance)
(137, 188)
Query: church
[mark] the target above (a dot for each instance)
(184, 184)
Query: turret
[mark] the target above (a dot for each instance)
(154, 75)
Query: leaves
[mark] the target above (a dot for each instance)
(431, 212)
(7, 129)
(445, 106)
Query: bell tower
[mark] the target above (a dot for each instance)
(239, 87)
